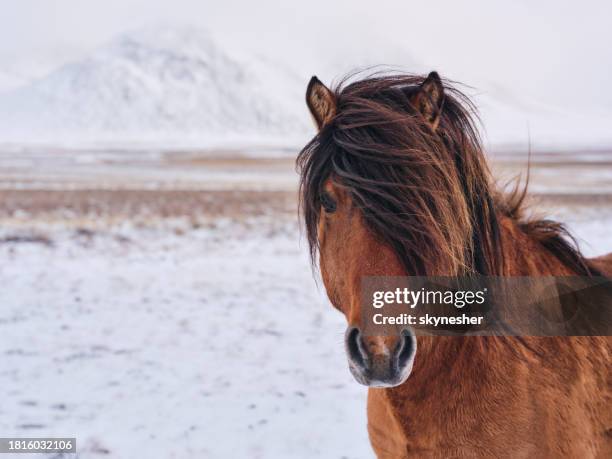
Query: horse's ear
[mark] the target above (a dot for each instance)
(321, 102)
(429, 99)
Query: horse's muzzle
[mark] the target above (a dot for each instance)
(380, 361)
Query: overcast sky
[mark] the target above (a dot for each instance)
(556, 51)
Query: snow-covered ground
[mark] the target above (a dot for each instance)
(178, 342)
(174, 342)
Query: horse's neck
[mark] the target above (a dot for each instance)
(448, 360)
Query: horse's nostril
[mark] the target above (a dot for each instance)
(354, 346)
(407, 348)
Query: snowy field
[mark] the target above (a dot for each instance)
(175, 342)
(155, 318)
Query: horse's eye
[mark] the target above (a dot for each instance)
(329, 205)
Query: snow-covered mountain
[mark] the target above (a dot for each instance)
(177, 86)
(157, 85)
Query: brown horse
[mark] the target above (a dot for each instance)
(395, 183)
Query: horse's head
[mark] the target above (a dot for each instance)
(382, 194)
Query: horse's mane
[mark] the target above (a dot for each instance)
(430, 196)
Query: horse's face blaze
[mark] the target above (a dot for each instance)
(349, 252)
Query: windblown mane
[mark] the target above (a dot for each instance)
(430, 196)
